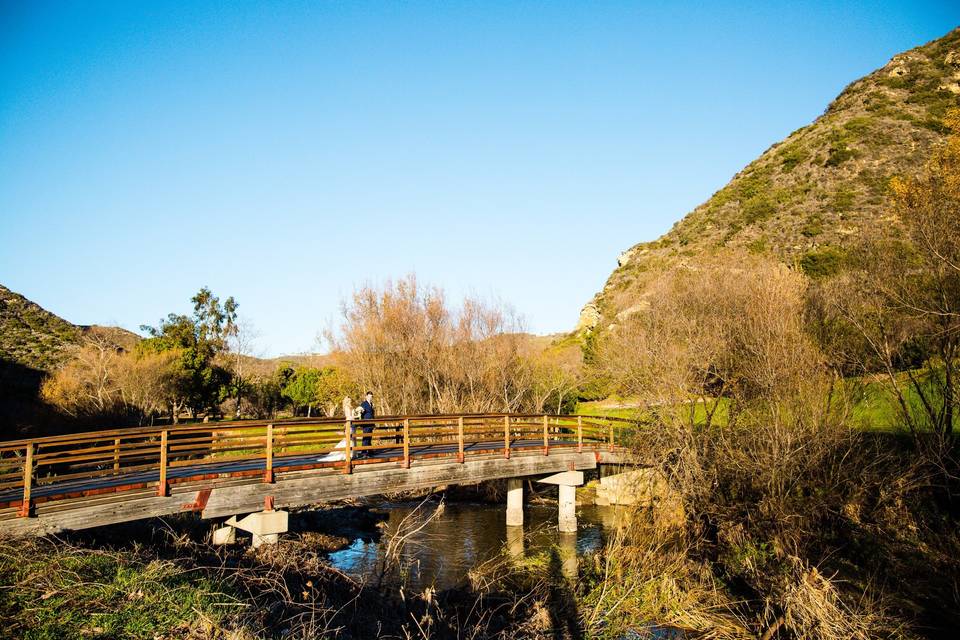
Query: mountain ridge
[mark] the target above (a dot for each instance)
(808, 198)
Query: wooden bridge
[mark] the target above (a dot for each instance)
(224, 469)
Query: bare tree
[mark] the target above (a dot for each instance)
(242, 347)
(418, 354)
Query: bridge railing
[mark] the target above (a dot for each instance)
(44, 469)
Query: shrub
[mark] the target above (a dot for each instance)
(758, 208)
(839, 151)
(792, 155)
(813, 226)
(822, 263)
(842, 199)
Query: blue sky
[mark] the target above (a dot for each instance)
(285, 153)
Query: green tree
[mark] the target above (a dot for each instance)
(200, 384)
(302, 388)
(310, 386)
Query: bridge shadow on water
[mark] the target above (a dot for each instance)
(565, 620)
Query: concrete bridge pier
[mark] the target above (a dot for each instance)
(567, 483)
(515, 502)
(265, 526)
(515, 542)
(569, 564)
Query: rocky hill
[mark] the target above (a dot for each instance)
(32, 336)
(808, 199)
(34, 342)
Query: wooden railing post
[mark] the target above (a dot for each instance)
(27, 481)
(460, 439)
(162, 485)
(348, 452)
(546, 437)
(268, 466)
(116, 455)
(406, 443)
(611, 436)
(579, 434)
(506, 437)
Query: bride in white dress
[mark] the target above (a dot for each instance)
(339, 452)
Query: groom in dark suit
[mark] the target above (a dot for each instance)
(369, 413)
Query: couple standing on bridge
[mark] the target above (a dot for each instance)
(365, 411)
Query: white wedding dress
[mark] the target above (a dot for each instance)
(339, 453)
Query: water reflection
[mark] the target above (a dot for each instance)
(465, 534)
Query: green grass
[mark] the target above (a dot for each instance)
(874, 406)
(56, 591)
(631, 411)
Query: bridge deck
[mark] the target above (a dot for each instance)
(114, 476)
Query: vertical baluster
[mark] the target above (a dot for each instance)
(579, 434)
(116, 455)
(406, 443)
(611, 435)
(460, 439)
(348, 452)
(27, 481)
(162, 485)
(546, 437)
(268, 467)
(506, 437)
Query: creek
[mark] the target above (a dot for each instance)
(442, 551)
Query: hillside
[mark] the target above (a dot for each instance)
(30, 335)
(33, 337)
(33, 342)
(808, 199)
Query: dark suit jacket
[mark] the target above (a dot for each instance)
(368, 412)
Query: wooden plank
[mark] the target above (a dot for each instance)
(162, 484)
(506, 437)
(27, 481)
(348, 453)
(546, 441)
(406, 443)
(268, 465)
(579, 433)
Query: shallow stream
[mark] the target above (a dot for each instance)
(465, 534)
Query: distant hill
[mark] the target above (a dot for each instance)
(34, 342)
(809, 198)
(32, 336)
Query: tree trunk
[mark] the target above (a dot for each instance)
(948, 397)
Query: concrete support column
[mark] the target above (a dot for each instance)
(569, 564)
(265, 527)
(515, 502)
(567, 517)
(268, 538)
(515, 542)
(567, 483)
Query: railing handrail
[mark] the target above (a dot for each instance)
(89, 456)
(67, 438)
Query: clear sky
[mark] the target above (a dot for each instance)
(284, 152)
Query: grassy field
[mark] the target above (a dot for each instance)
(873, 405)
(631, 409)
(54, 591)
